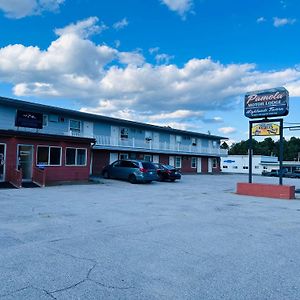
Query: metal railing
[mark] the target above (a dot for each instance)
(159, 146)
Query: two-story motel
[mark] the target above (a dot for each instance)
(71, 145)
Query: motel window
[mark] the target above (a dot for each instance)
(215, 163)
(194, 141)
(124, 133)
(75, 157)
(81, 157)
(48, 156)
(214, 144)
(177, 162)
(148, 157)
(45, 120)
(148, 136)
(178, 139)
(75, 126)
(123, 156)
(194, 162)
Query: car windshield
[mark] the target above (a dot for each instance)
(168, 167)
(147, 165)
(157, 165)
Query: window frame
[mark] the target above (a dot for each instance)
(75, 129)
(148, 155)
(45, 120)
(125, 154)
(214, 163)
(49, 152)
(175, 162)
(76, 154)
(178, 139)
(194, 162)
(125, 134)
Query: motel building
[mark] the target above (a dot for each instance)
(43, 145)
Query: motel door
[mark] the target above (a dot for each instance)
(114, 135)
(25, 154)
(88, 129)
(210, 165)
(2, 162)
(199, 165)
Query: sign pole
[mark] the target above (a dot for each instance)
(250, 151)
(281, 152)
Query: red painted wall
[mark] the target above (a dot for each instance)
(164, 159)
(100, 160)
(186, 165)
(55, 173)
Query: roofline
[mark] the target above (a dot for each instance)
(55, 109)
(45, 136)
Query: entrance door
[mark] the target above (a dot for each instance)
(155, 140)
(2, 162)
(114, 135)
(113, 157)
(25, 153)
(210, 165)
(199, 165)
(172, 161)
(172, 141)
(88, 129)
(156, 158)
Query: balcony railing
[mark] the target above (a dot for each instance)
(159, 146)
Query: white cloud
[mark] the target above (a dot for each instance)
(261, 20)
(131, 58)
(104, 80)
(84, 28)
(153, 50)
(163, 58)
(227, 130)
(19, 9)
(213, 120)
(182, 7)
(120, 24)
(117, 43)
(178, 114)
(279, 22)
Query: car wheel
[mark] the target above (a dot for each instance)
(106, 175)
(132, 179)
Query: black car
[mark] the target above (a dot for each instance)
(167, 172)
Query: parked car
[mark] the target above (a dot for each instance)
(167, 172)
(275, 173)
(132, 170)
(295, 174)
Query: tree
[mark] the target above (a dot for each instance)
(224, 145)
(269, 147)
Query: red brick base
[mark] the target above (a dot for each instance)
(266, 190)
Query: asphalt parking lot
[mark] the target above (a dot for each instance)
(192, 239)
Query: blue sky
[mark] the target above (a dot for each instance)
(183, 63)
